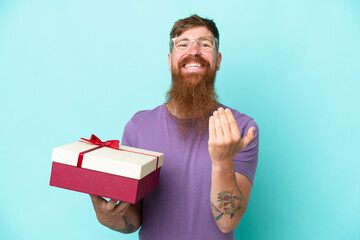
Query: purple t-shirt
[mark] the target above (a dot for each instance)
(179, 208)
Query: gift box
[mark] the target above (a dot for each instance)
(106, 169)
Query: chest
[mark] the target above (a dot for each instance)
(187, 163)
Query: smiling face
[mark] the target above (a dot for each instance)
(193, 64)
(192, 96)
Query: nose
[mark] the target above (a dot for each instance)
(194, 48)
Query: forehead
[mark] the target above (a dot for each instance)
(196, 32)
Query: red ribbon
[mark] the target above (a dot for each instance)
(96, 141)
(111, 144)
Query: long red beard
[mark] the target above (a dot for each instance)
(192, 97)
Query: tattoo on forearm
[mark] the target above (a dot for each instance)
(215, 208)
(129, 227)
(228, 204)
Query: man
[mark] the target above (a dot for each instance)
(209, 164)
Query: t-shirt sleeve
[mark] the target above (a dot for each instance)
(127, 137)
(245, 162)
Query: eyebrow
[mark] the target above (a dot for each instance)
(194, 38)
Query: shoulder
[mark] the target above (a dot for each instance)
(140, 123)
(145, 118)
(146, 115)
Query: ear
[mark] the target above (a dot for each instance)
(218, 61)
(169, 59)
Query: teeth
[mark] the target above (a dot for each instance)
(193, 65)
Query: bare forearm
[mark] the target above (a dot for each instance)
(227, 201)
(129, 222)
(120, 216)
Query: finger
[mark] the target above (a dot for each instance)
(96, 200)
(212, 132)
(224, 122)
(218, 129)
(232, 122)
(248, 138)
(122, 207)
(110, 205)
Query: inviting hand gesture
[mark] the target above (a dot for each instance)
(225, 137)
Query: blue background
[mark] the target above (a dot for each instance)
(72, 68)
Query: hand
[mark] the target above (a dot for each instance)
(109, 213)
(225, 137)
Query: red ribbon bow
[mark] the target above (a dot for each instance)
(96, 141)
(111, 144)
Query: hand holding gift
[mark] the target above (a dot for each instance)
(110, 213)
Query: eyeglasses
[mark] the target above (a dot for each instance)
(183, 44)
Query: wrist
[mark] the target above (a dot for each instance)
(222, 162)
(223, 168)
